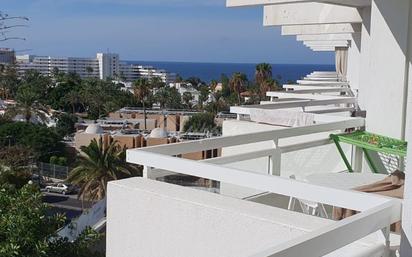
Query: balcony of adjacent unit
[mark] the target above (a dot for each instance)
(274, 190)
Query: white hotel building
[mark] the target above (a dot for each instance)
(281, 150)
(105, 65)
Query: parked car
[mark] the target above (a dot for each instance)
(60, 188)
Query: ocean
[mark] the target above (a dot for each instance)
(210, 71)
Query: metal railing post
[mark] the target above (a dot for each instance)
(146, 171)
(358, 159)
(276, 159)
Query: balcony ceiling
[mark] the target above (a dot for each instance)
(353, 3)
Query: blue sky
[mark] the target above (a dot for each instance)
(155, 30)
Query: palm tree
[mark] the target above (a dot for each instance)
(157, 82)
(27, 105)
(141, 90)
(237, 83)
(161, 96)
(73, 98)
(263, 73)
(97, 166)
(8, 80)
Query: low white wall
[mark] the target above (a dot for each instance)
(323, 159)
(154, 219)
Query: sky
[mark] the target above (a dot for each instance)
(154, 30)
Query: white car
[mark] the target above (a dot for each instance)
(59, 188)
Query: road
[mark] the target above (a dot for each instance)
(67, 204)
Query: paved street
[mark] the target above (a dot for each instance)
(68, 204)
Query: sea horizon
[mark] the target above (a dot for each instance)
(208, 71)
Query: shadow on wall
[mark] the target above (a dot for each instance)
(396, 17)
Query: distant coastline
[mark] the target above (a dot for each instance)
(210, 71)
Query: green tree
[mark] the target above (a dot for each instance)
(263, 74)
(16, 157)
(12, 179)
(27, 230)
(217, 106)
(195, 81)
(141, 89)
(237, 84)
(39, 84)
(43, 141)
(56, 73)
(225, 85)
(28, 105)
(66, 124)
(200, 122)
(204, 95)
(99, 97)
(168, 97)
(157, 82)
(8, 80)
(187, 98)
(97, 166)
(73, 98)
(64, 85)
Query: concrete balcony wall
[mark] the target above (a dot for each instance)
(149, 218)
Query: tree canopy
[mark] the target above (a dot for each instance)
(43, 141)
(97, 166)
(201, 122)
(27, 230)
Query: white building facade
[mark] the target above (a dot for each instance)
(7, 56)
(105, 65)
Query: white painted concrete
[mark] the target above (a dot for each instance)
(322, 48)
(309, 13)
(354, 60)
(325, 37)
(327, 43)
(239, 3)
(406, 248)
(149, 218)
(316, 29)
(152, 219)
(382, 86)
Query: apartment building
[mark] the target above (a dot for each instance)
(105, 65)
(7, 55)
(132, 72)
(85, 67)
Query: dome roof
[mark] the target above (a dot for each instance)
(94, 129)
(158, 133)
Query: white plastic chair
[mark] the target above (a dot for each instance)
(307, 207)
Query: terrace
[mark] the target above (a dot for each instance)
(250, 172)
(273, 151)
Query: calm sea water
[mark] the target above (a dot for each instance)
(210, 71)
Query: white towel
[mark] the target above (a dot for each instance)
(282, 117)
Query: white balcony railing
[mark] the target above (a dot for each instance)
(376, 212)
